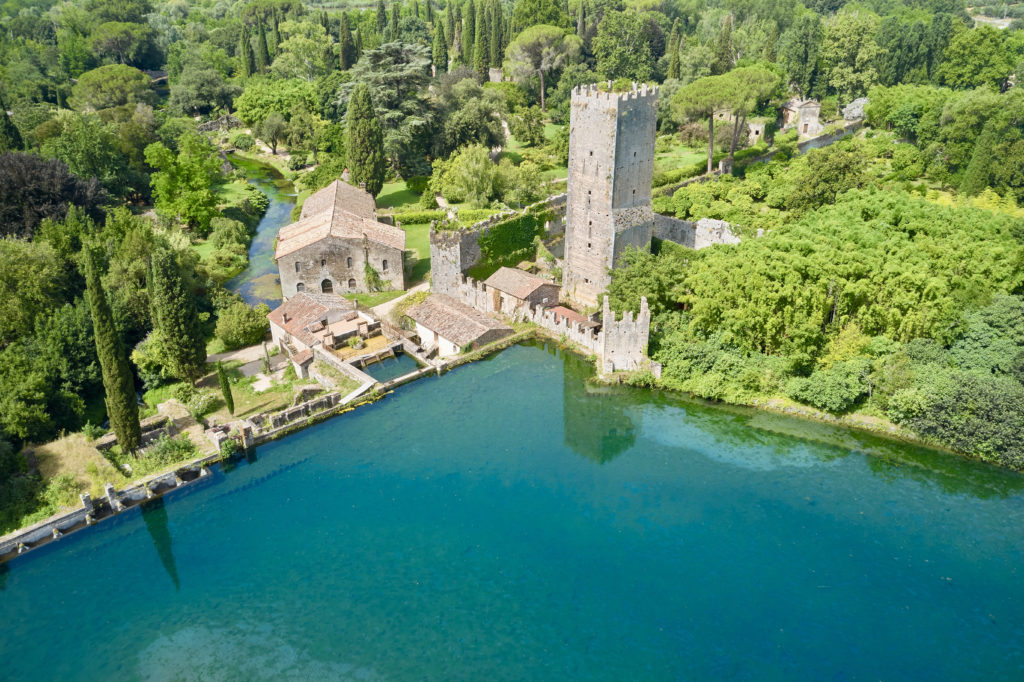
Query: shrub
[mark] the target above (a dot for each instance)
(243, 141)
(330, 168)
(239, 325)
(419, 217)
(835, 389)
(418, 183)
(167, 450)
(201, 404)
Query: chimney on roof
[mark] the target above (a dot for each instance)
(284, 316)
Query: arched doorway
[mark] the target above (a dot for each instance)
(327, 286)
(351, 284)
(300, 287)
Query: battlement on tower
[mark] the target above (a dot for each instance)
(603, 94)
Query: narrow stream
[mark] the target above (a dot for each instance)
(259, 282)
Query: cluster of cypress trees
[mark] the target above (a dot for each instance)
(258, 59)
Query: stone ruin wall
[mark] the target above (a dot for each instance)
(452, 252)
(694, 235)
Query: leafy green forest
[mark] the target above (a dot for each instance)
(888, 279)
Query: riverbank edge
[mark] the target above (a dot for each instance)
(856, 421)
(191, 471)
(185, 473)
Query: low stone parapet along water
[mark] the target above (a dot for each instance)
(92, 511)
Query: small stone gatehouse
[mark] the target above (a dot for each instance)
(336, 243)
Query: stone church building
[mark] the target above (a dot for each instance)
(338, 243)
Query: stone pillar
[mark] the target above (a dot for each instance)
(115, 504)
(248, 440)
(86, 502)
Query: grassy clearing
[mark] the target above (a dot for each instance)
(74, 456)
(677, 156)
(397, 195)
(343, 384)
(369, 300)
(417, 240)
(276, 161)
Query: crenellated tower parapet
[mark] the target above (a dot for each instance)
(624, 342)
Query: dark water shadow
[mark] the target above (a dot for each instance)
(154, 514)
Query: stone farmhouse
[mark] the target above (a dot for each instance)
(338, 244)
(511, 288)
(802, 115)
(452, 327)
(308, 321)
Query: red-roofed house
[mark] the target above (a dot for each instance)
(334, 241)
(308, 320)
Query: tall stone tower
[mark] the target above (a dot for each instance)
(611, 163)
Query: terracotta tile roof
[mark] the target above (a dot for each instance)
(516, 283)
(338, 210)
(571, 315)
(340, 194)
(303, 357)
(304, 310)
(452, 320)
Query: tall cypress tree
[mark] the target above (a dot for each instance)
(122, 405)
(468, 32)
(359, 43)
(10, 138)
(274, 39)
(496, 34)
(225, 388)
(482, 44)
(346, 50)
(449, 25)
(440, 50)
(430, 11)
(382, 18)
(393, 26)
(175, 319)
(364, 141)
(581, 19)
(246, 56)
(262, 49)
(673, 52)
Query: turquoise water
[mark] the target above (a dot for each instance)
(259, 282)
(506, 521)
(392, 368)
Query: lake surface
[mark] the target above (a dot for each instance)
(507, 521)
(259, 282)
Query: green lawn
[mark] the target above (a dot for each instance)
(396, 195)
(247, 401)
(551, 129)
(373, 299)
(417, 240)
(677, 157)
(203, 249)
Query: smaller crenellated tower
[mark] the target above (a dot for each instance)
(611, 165)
